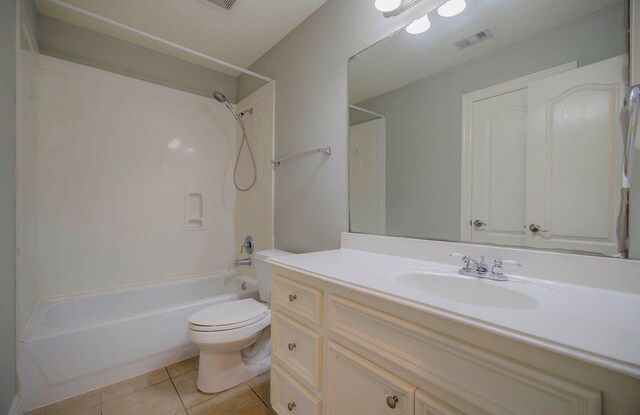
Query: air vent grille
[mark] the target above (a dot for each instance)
(473, 39)
(405, 5)
(225, 4)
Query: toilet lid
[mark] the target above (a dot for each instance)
(230, 314)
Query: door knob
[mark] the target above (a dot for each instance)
(291, 346)
(536, 228)
(479, 224)
(292, 298)
(291, 405)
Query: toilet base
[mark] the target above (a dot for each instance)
(219, 371)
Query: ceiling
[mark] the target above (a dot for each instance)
(404, 58)
(239, 36)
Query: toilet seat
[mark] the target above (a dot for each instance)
(228, 316)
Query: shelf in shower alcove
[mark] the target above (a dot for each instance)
(194, 211)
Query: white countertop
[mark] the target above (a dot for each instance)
(598, 326)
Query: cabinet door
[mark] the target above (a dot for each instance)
(427, 404)
(499, 142)
(574, 158)
(356, 386)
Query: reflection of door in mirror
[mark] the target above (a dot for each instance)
(367, 177)
(542, 160)
(574, 158)
(499, 132)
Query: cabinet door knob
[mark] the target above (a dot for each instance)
(392, 401)
(291, 405)
(292, 298)
(292, 346)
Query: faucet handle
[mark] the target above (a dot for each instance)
(465, 258)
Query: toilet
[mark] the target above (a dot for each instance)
(234, 337)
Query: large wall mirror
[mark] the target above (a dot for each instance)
(501, 125)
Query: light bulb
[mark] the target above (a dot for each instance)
(420, 25)
(387, 5)
(452, 8)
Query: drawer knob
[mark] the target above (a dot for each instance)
(292, 346)
(291, 405)
(292, 297)
(392, 401)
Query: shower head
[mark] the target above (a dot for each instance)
(219, 96)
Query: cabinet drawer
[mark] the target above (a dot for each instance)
(289, 397)
(499, 384)
(356, 386)
(298, 348)
(298, 300)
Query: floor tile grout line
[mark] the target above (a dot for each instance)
(137, 390)
(268, 405)
(177, 393)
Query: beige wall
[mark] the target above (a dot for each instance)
(76, 44)
(106, 182)
(310, 69)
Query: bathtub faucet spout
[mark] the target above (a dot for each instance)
(246, 261)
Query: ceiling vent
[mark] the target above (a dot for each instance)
(473, 39)
(405, 5)
(225, 4)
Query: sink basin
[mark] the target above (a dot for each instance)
(474, 291)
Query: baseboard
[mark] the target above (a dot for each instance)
(16, 407)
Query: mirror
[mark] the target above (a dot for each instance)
(500, 125)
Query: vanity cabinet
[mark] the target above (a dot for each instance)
(357, 352)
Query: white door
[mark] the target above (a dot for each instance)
(367, 177)
(574, 158)
(499, 135)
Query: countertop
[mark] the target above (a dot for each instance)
(601, 327)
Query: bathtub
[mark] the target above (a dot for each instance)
(75, 345)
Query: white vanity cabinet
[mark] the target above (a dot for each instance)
(359, 353)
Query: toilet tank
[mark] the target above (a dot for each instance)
(263, 271)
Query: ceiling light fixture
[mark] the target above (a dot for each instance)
(452, 8)
(420, 25)
(387, 5)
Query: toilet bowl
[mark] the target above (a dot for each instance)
(234, 337)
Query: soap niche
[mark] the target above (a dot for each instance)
(194, 219)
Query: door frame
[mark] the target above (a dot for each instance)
(468, 100)
(382, 173)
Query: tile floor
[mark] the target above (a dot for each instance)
(167, 391)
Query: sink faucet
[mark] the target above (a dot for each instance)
(479, 269)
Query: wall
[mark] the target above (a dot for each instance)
(113, 162)
(424, 126)
(74, 43)
(310, 69)
(8, 48)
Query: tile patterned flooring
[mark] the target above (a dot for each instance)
(167, 391)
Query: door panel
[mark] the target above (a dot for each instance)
(574, 156)
(499, 136)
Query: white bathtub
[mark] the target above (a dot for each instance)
(79, 344)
